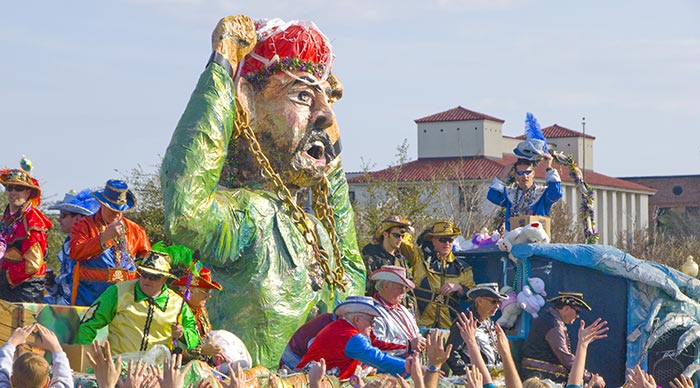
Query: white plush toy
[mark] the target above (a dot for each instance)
(510, 308)
(531, 298)
(529, 234)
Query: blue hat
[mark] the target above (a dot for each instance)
(357, 304)
(116, 196)
(535, 144)
(82, 203)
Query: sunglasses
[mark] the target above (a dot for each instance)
(16, 188)
(64, 215)
(398, 235)
(445, 240)
(526, 172)
(494, 301)
(150, 276)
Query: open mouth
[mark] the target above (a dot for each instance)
(316, 151)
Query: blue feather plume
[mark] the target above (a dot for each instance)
(532, 129)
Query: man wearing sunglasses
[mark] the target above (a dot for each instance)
(23, 239)
(141, 313)
(74, 207)
(441, 278)
(547, 350)
(385, 250)
(526, 197)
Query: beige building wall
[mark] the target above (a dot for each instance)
(459, 138)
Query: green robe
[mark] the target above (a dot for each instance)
(245, 234)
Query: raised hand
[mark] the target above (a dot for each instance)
(467, 328)
(474, 378)
(316, 372)
(173, 373)
(106, 371)
(47, 339)
(638, 378)
(595, 331)
(20, 334)
(234, 37)
(435, 348)
(681, 382)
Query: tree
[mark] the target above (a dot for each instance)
(149, 208)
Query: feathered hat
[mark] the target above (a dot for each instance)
(535, 144)
(21, 177)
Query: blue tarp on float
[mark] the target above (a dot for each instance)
(651, 309)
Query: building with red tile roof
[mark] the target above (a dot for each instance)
(460, 145)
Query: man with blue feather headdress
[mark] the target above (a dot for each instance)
(526, 197)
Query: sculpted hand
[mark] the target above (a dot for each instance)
(234, 37)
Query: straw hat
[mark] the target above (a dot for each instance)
(392, 273)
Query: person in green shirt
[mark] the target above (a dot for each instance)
(141, 313)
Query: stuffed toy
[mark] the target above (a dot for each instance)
(529, 234)
(531, 298)
(481, 239)
(510, 308)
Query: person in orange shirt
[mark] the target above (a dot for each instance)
(105, 245)
(22, 239)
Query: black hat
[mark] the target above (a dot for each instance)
(573, 299)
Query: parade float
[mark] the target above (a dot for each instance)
(242, 154)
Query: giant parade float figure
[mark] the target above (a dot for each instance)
(258, 133)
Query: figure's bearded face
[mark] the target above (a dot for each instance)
(295, 124)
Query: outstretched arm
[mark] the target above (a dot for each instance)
(586, 335)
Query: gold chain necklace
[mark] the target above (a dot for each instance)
(320, 269)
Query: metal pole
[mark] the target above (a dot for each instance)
(583, 167)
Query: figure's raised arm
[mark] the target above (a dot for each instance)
(191, 169)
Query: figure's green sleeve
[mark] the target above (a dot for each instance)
(345, 230)
(196, 213)
(99, 315)
(189, 324)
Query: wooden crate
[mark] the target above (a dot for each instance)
(12, 316)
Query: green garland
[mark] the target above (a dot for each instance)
(586, 211)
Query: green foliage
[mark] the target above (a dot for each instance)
(424, 203)
(149, 208)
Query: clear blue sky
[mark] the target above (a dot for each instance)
(90, 87)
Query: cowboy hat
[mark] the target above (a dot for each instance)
(204, 280)
(573, 299)
(357, 304)
(82, 203)
(487, 290)
(392, 273)
(116, 196)
(442, 229)
(390, 222)
(18, 177)
(156, 263)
